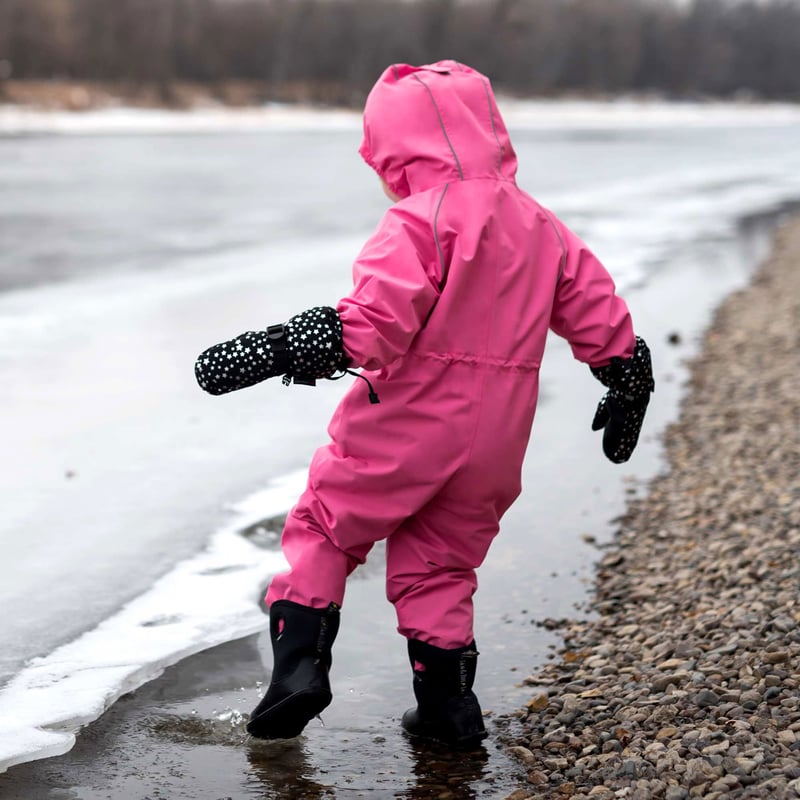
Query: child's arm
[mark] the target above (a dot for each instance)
(396, 276)
(586, 310)
(308, 347)
(597, 324)
(396, 281)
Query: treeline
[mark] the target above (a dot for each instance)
(542, 47)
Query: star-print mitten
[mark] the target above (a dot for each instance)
(308, 347)
(620, 413)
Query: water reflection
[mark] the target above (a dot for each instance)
(284, 771)
(288, 770)
(445, 774)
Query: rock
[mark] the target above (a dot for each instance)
(524, 755)
(750, 699)
(630, 768)
(744, 766)
(705, 698)
(538, 702)
(716, 749)
(601, 793)
(537, 777)
(778, 657)
(670, 664)
(666, 733)
(662, 682)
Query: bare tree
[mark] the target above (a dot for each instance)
(334, 49)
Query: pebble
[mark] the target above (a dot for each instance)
(683, 680)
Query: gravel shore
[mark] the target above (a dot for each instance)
(684, 680)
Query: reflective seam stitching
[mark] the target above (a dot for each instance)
(396, 73)
(436, 233)
(441, 122)
(563, 263)
(494, 129)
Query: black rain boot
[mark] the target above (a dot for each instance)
(302, 638)
(447, 709)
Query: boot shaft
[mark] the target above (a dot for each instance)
(440, 673)
(447, 709)
(299, 633)
(300, 688)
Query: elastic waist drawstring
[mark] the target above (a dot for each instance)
(373, 395)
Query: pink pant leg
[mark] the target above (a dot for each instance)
(344, 510)
(430, 574)
(318, 567)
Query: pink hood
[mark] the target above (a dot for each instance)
(425, 126)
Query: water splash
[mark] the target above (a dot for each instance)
(224, 728)
(233, 716)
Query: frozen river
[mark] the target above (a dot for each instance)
(125, 251)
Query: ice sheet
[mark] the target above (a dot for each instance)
(528, 114)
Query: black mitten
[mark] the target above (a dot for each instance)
(621, 411)
(306, 348)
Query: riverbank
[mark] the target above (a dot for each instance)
(82, 108)
(60, 94)
(77, 95)
(683, 681)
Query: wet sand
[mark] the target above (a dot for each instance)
(183, 736)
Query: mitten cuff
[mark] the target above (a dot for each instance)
(629, 378)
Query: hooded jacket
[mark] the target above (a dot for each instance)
(455, 291)
(453, 297)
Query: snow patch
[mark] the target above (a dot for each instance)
(519, 114)
(200, 604)
(635, 114)
(15, 120)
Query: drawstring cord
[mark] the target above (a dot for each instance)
(288, 378)
(373, 395)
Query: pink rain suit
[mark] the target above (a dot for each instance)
(453, 297)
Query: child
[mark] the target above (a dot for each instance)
(453, 297)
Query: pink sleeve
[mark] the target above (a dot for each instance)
(395, 285)
(586, 311)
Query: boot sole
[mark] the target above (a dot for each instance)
(286, 719)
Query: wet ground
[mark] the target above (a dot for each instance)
(183, 736)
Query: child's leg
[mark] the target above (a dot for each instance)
(347, 506)
(431, 563)
(430, 573)
(319, 564)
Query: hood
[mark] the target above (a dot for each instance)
(425, 126)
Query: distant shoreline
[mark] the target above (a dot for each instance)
(64, 109)
(80, 95)
(236, 94)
